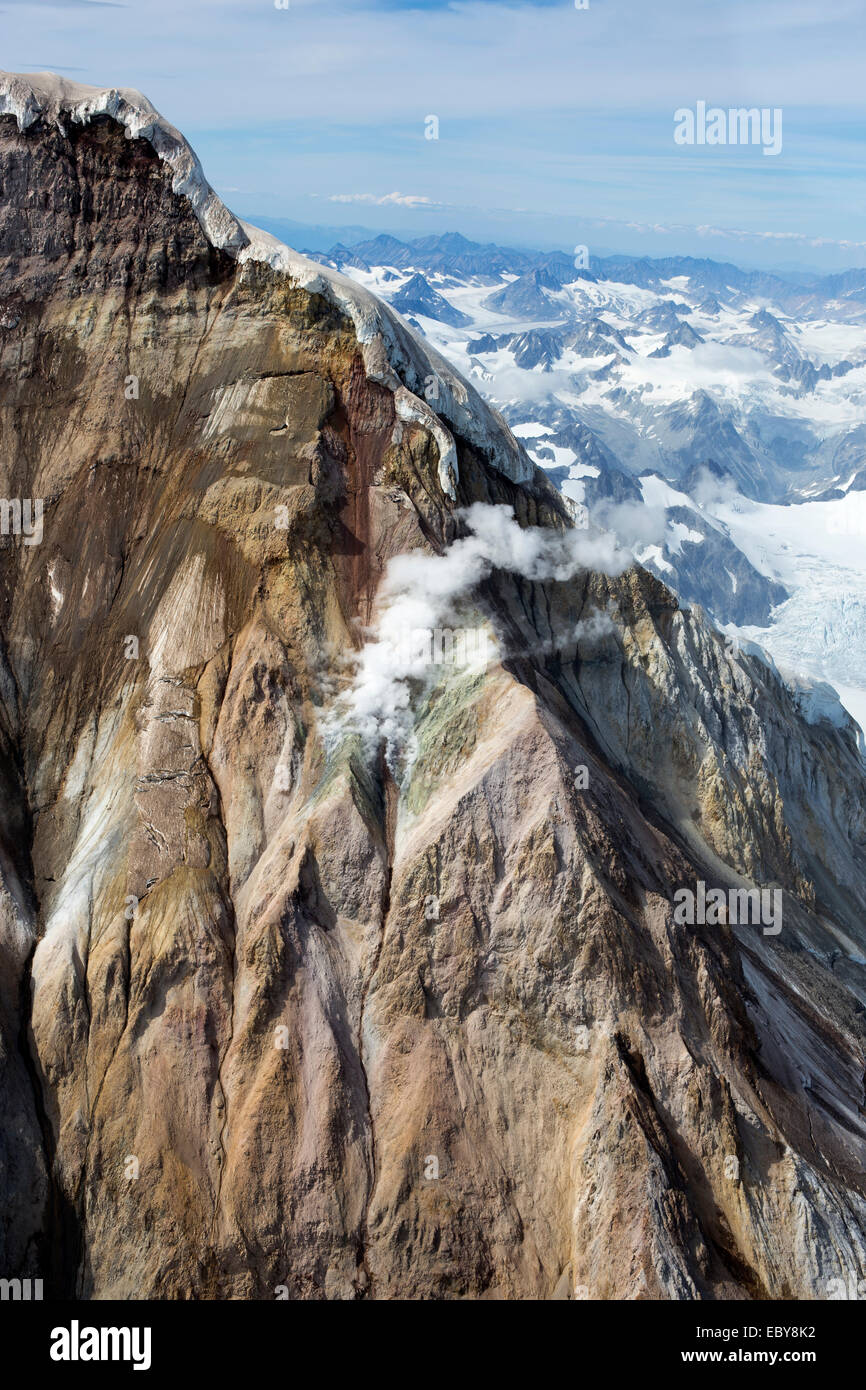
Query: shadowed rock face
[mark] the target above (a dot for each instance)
(278, 1016)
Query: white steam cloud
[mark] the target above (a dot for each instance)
(597, 625)
(421, 592)
(710, 491)
(635, 523)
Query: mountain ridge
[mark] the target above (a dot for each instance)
(283, 1015)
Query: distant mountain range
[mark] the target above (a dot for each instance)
(453, 254)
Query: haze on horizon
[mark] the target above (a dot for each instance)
(555, 125)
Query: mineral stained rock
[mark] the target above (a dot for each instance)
(284, 1014)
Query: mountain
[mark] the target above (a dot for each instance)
(755, 356)
(415, 296)
(312, 238)
(684, 369)
(333, 973)
(449, 255)
(529, 296)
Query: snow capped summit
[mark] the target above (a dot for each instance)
(416, 296)
(393, 354)
(45, 96)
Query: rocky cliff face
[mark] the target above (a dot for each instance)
(288, 1013)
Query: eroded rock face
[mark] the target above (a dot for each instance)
(278, 1015)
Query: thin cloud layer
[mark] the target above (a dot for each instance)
(403, 200)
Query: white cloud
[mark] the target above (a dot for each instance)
(467, 59)
(720, 369)
(633, 523)
(423, 591)
(403, 200)
(707, 231)
(710, 491)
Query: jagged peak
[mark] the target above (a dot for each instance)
(393, 354)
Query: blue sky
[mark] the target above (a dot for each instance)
(555, 124)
